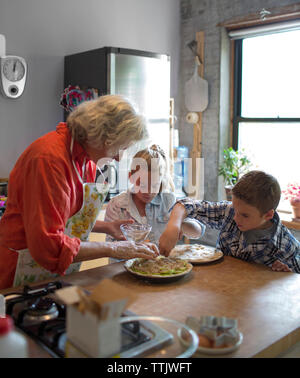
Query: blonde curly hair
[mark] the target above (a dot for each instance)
(109, 121)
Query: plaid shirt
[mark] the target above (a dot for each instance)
(282, 246)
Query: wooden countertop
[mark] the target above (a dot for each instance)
(288, 221)
(266, 303)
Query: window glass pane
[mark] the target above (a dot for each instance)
(273, 148)
(270, 76)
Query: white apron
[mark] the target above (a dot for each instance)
(79, 225)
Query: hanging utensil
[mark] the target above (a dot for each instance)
(196, 91)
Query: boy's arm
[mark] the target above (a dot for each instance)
(171, 234)
(192, 228)
(209, 213)
(285, 259)
(288, 261)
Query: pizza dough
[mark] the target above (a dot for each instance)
(196, 253)
(161, 269)
(162, 266)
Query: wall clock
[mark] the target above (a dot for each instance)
(13, 75)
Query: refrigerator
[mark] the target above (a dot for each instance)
(142, 77)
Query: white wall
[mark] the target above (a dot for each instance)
(44, 31)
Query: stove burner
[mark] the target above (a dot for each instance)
(40, 310)
(42, 306)
(29, 293)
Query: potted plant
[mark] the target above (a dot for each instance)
(292, 193)
(234, 165)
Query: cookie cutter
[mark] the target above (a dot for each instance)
(221, 330)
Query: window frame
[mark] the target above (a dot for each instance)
(237, 97)
(277, 15)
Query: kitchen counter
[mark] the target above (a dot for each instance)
(266, 303)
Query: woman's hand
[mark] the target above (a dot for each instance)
(117, 249)
(169, 238)
(130, 250)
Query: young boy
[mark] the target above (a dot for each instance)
(250, 228)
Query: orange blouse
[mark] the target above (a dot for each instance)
(43, 193)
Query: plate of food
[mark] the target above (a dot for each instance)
(208, 346)
(160, 269)
(217, 335)
(196, 253)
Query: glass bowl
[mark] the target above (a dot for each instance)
(135, 232)
(161, 340)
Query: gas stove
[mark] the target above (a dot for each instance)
(40, 316)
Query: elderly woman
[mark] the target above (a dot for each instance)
(53, 200)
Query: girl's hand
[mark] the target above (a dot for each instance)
(113, 228)
(169, 238)
(130, 250)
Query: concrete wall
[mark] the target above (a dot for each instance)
(204, 15)
(44, 31)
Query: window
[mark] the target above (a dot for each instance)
(266, 112)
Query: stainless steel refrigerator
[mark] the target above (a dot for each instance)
(142, 77)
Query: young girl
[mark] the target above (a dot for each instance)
(150, 196)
